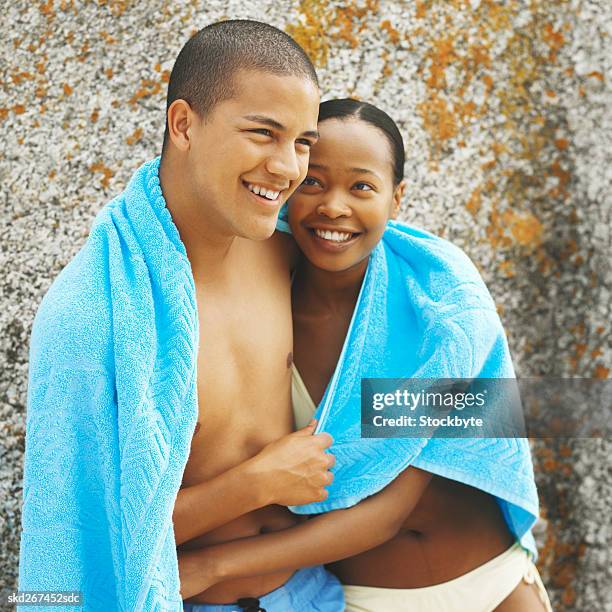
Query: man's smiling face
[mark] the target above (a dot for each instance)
(251, 152)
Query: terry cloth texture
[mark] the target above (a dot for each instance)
(112, 407)
(423, 312)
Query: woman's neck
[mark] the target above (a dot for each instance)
(322, 291)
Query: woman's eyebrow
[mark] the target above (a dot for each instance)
(351, 170)
(364, 171)
(273, 123)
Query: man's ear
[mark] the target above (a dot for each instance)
(398, 194)
(180, 119)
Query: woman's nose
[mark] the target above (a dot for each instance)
(334, 207)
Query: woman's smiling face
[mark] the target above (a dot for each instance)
(339, 212)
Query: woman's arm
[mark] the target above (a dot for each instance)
(323, 539)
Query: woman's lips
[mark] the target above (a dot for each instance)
(330, 245)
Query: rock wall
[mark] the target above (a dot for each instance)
(505, 111)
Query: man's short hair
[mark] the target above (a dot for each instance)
(203, 74)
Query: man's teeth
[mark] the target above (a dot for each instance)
(333, 236)
(262, 191)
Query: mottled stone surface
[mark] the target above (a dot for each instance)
(505, 111)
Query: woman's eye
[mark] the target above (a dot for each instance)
(309, 181)
(363, 187)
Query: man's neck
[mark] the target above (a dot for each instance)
(208, 249)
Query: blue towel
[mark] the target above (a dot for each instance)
(423, 312)
(112, 408)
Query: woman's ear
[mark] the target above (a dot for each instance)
(398, 194)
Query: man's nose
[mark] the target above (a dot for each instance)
(285, 164)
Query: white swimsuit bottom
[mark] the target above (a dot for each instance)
(480, 590)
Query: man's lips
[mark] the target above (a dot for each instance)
(264, 192)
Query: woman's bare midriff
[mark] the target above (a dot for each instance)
(453, 529)
(264, 520)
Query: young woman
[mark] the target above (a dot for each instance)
(424, 542)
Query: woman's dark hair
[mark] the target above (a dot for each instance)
(347, 108)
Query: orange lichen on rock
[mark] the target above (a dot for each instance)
(107, 173)
(116, 7)
(46, 8)
(596, 74)
(311, 33)
(475, 202)
(67, 89)
(107, 37)
(507, 268)
(441, 56)
(135, 137)
(555, 40)
(393, 34)
(438, 119)
(601, 372)
(580, 349)
(421, 9)
(563, 176)
(18, 77)
(498, 15)
(526, 228)
(148, 88)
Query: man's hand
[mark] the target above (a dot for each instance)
(294, 470)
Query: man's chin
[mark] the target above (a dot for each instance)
(261, 230)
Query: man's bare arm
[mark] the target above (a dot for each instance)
(323, 539)
(291, 471)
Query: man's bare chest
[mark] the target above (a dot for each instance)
(243, 375)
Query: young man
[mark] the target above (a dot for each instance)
(239, 130)
(175, 314)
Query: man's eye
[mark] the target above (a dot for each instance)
(304, 141)
(262, 131)
(362, 187)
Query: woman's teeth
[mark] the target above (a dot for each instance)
(333, 236)
(262, 191)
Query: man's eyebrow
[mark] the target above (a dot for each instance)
(266, 121)
(273, 123)
(352, 170)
